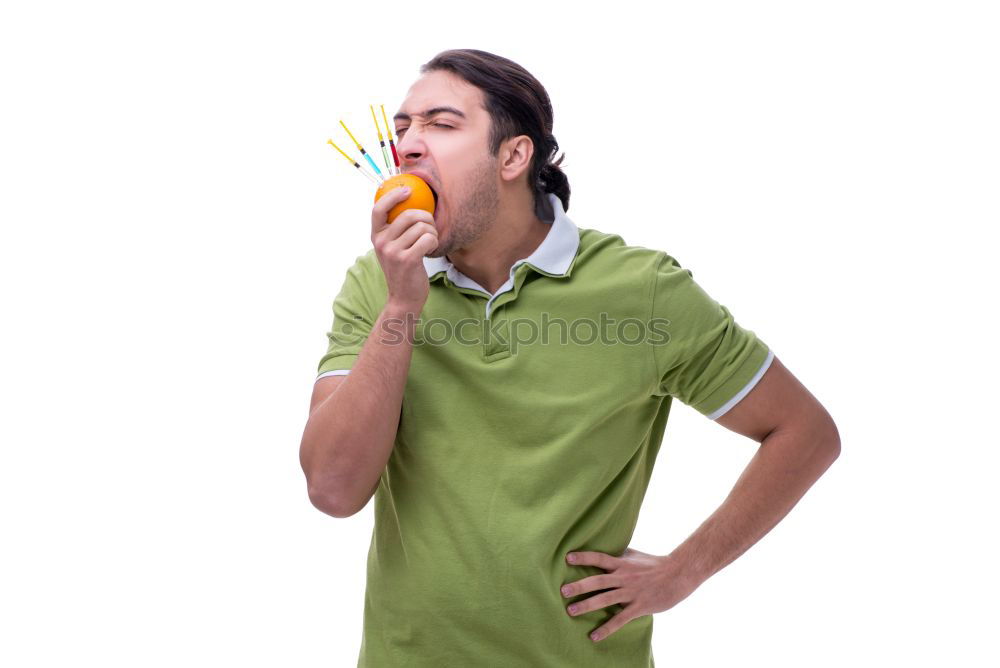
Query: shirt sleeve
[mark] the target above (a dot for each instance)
(706, 359)
(353, 319)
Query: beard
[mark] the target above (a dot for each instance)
(471, 216)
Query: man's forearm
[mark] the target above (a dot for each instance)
(350, 435)
(786, 465)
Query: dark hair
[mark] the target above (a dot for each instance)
(518, 105)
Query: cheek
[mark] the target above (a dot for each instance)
(457, 161)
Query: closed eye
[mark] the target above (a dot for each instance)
(399, 132)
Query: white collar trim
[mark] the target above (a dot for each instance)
(553, 256)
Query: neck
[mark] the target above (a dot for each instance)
(516, 234)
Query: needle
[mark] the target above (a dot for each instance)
(392, 145)
(381, 140)
(354, 162)
(364, 153)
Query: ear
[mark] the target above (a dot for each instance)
(515, 157)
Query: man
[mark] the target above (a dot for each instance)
(500, 379)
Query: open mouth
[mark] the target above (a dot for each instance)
(435, 193)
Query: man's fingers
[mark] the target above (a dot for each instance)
(623, 617)
(380, 212)
(599, 559)
(596, 602)
(404, 221)
(589, 584)
(424, 245)
(414, 232)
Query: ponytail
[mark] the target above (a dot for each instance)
(551, 179)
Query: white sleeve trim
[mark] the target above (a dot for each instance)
(338, 372)
(746, 389)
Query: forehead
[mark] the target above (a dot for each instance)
(442, 89)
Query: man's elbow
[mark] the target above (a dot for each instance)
(815, 436)
(331, 504)
(829, 438)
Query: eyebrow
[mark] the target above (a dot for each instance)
(433, 111)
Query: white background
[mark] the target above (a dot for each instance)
(175, 229)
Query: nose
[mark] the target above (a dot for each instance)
(411, 147)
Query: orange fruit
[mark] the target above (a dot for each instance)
(421, 195)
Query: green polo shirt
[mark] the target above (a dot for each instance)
(530, 423)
